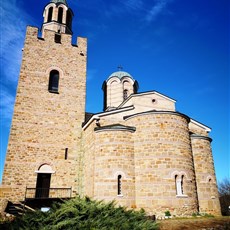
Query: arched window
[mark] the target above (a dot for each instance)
(69, 19)
(119, 185)
(60, 14)
(53, 81)
(179, 185)
(50, 14)
(182, 181)
(176, 177)
(125, 94)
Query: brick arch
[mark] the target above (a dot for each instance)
(127, 80)
(113, 80)
(117, 173)
(46, 12)
(179, 173)
(210, 179)
(63, 6)
(54, 68)
(45, 168)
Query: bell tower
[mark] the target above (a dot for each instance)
(57, 17)
(44, 149)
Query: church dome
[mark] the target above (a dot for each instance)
(120, 75)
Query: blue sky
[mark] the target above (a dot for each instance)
(179, 48)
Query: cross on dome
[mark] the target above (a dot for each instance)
(120, 67)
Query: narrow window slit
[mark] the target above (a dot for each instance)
(182, 184)
(66, 153)
(125, 94)
(119, 185)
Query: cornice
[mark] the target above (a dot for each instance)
(157, 112)
(116, 127)
(195, 136)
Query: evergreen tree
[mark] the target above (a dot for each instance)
(87, 214)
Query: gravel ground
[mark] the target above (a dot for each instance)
(215, 223)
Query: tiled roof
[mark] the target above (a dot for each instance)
(59, 1)
(120, 75)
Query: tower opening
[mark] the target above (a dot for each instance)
(50, 14)
(69, 19)
(119, 185)
(53, 81)
(43, 185)
(60, 14)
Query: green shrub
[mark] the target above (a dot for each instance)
(202, 214)
(207, 215)
(195, 214)
(167, 213)
(85, 214)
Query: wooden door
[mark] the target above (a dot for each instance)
(43, 185)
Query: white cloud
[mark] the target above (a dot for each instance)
(6, 104)
(133, 4)
(121, 8)
(158, 8)
(13, 25)
(147, 10)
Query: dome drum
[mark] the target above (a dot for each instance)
(117, 88)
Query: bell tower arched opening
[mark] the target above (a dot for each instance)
(60, 14)
(57, 17)
(50, 14)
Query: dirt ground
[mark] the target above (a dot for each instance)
(215, 223)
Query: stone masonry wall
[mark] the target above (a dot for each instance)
(45, 124)
(88, 161)
(114, 156)
(162, 151)
(197, 130)
(149, 159)
(150, 101)
(205, 176)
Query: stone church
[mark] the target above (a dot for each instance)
(139, 151)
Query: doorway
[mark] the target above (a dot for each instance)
(43, 185)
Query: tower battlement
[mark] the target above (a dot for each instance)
(32, 35)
